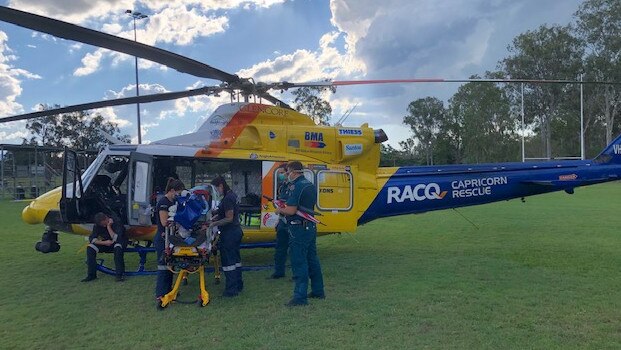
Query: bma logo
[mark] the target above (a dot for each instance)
(617, 149)
(314, 140)
(313, 136)
(420, 192)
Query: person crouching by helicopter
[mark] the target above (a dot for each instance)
(302, 237)
(106, 237)
(227, 221)
(282, 233)
(163, 283)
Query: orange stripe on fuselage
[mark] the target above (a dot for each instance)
(231, 131)
(267, 184)
(142, 232)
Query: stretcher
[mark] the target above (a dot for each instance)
(190, 245)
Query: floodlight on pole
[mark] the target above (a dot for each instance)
(137, 15)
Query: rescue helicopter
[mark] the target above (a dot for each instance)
(248, 141)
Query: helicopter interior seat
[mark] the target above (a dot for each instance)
(103, 196)
(249, 208)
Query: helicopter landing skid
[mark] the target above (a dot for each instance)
(141, 271)
(143, 251)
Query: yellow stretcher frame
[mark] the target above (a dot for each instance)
(183, 273)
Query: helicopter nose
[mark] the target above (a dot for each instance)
(32, 216)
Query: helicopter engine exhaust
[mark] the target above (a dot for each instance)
(380, 136)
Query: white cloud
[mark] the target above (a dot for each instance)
(212, 5)
(179, 25)
(130, 90)
(75, 47)
(304, 65)
(109, 114)
(72, 11)
(13, 137)
(90, 63)
(10, 79)
(112, 28)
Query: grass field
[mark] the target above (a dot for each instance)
(543, 274)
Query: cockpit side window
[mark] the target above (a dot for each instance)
(114, 172)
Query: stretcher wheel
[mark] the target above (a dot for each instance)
(160, 306)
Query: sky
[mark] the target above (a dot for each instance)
(268, 40)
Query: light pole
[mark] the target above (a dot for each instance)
(137, 15)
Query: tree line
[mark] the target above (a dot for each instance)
(482, 121)
(76, 130)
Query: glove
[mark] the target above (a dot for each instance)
(189, 240)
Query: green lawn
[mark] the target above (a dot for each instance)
(542, 274)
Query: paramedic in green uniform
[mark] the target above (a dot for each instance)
(302, 237)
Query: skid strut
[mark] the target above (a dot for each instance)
(144, 251)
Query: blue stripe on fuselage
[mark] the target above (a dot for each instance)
(420, 189)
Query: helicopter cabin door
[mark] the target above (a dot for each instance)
(71, 206)
(140, 188)
(335, 197)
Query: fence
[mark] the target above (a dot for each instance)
(28, 171)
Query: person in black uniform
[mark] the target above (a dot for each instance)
(227, 220)
(107, 237)
(163, 283)
(282, 233)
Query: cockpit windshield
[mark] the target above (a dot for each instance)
(92, 169)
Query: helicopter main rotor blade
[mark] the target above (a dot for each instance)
(287, 85)
(115, 102)
(92, 37)
(274, 100)
(435, 80)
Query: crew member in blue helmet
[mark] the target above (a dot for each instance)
(282, 233)
(163, 283)
(227, 221)
(302, 237)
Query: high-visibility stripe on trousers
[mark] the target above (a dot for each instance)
(230, 241)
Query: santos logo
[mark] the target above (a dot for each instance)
(617, 149)
(420, 192)
(352, 149)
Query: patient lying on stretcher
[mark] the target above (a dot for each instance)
(191, 215)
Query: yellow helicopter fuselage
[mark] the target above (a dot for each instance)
(342, 161)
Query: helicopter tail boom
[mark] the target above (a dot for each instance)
(418, 189)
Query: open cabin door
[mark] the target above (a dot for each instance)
(71, 200)
(140, 186)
